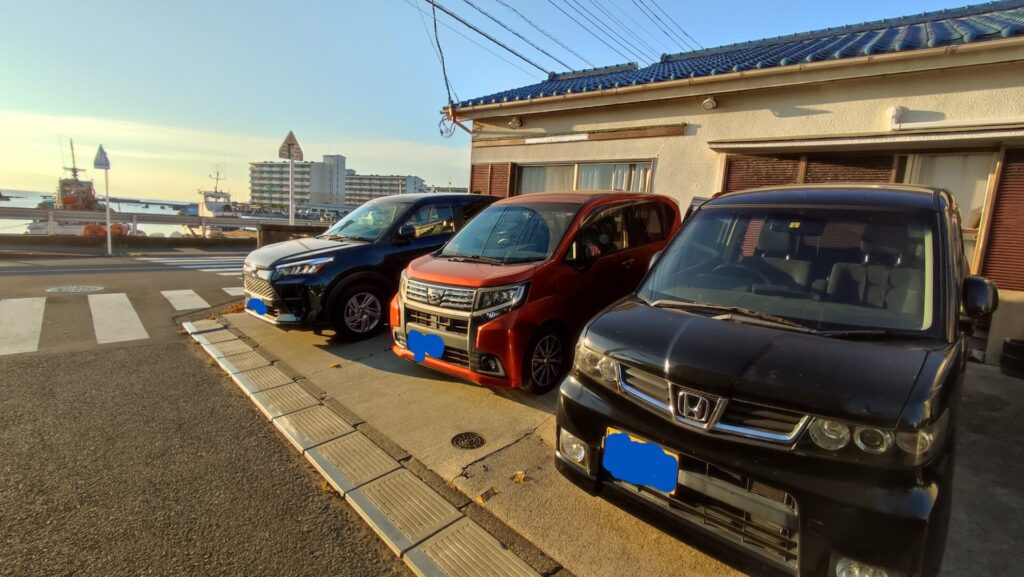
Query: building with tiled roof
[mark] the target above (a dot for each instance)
(936, 98)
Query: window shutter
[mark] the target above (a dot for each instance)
(743, 172)
(821, 169)
(491, 179)
(1003, 261)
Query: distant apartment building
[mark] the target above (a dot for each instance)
(314, 182)
(360, 188)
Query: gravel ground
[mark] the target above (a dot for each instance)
(146, 461)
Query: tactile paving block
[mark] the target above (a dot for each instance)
(310, 427)
(402, 509)
(351, 461)
(201, 326)
(214, 337)
(227, 348)
(283, 400)
(464, 549)
(242, 362)
(261, 379)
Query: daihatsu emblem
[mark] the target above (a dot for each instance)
(694, 407)
(435, 295)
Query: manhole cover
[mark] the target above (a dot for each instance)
(468, 440)
(74, 289)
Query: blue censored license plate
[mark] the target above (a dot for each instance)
(639, 462)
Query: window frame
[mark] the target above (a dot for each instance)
(648, 182)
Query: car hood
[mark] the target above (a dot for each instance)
(298, 249)
(470, 274)
(866, 382)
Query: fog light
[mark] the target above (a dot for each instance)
(851, 568)
(872, 441)
(491, 364)
(570, 446)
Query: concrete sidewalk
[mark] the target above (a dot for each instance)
(421, 410)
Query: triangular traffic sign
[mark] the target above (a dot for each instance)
(290, 148)
(101, 161)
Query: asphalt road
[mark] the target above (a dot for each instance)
(137, 457)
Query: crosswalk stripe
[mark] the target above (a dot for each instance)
(184, 300)
(237, 263)
(235, 291)
(236, 273)
(22, 322)
(237, 269)
(114, 319)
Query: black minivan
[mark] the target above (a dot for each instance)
(786, 379)
(346, 276)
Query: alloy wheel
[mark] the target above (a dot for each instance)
(362, 312)
(546, 361)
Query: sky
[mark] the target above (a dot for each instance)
(173, 88)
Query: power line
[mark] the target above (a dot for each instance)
(641, 26)
(589, 31)
(482, 47)
(523, 38)
(545, 33)
(676, 24)
(438, 5)
(621, 25)
(653, 19)
(607, 30)
(430, 41)
(446, 127)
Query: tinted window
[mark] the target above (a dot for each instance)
(432, 220)
(648, 222)
(368, 221)
(509, 233)
(607, 232)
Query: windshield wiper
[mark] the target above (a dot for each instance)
(343, 237)
(872, 333)
(473, 258)
(764, 318)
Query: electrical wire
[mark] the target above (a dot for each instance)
(615, 37)
(430, 41)
(521, 37)
(446, 126)
(676, 24)
(465, 23)
(545, 33)
(637, 37)
(640, 25)
(589, 31)
(482, 47)
(657, 22)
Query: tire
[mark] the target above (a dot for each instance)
(1013, 347)
(1011, 365)
(546, 362)
(359, 312)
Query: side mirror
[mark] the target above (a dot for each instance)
(589, 254)
(406, 232)
(654, 259)
(980, 296)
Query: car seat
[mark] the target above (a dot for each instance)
(773, 259)
(888, 276)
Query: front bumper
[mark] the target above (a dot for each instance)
(896, 520)
(295, 302)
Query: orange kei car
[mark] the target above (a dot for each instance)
(510, 292)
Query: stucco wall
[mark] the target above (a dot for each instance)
(685, 166)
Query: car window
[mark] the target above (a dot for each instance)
(607, 232)
(432, 220)
(513, 233)
(648, 222)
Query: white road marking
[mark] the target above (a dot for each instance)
(237, 269)
(22, 322)
(114, 319)
(235, 291)
(237, 273)
(185, 300)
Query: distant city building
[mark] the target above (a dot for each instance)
(360, 188)
(315, 182)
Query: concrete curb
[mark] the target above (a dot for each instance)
(418, 523)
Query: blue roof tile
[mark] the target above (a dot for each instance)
(933, 29)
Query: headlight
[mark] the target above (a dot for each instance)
(601, 368)
(402, 282)
(492, 302)
(877, 445)
(311, 266)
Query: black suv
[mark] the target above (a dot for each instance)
(787, 378)
(346, 276)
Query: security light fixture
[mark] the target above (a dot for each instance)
(709, 103)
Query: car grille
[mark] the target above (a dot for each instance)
(456, 356)
(757, 417)
(437, 322)
(765, 538)
(449, 297)
(737, 418)
(258, 287)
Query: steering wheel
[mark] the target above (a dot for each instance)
(739, 271)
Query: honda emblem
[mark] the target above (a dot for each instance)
(694, 407)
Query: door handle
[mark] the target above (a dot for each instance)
(628, 263)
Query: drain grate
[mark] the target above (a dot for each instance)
(468, 440)
(74, 289)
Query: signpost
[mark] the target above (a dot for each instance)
(291, 150)
(103, 162)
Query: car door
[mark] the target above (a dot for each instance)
(648, 227)
(608, 272)
(432, 225)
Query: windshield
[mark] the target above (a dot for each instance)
(827, 269)
(369, 221)
(509, 233)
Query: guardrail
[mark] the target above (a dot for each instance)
(134, 218)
